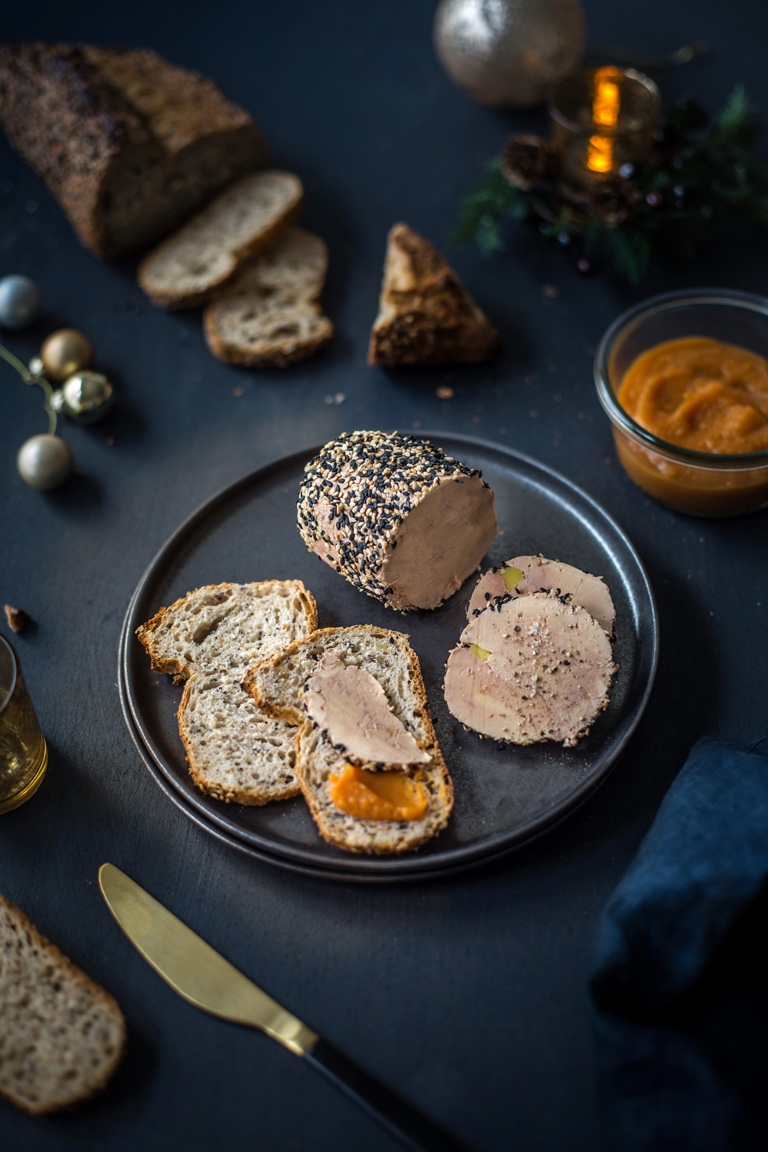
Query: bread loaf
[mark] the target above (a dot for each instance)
(278, 688)
(270, 315)
(398, 518)
(426, 315)
(128, 143)
(61, 1035)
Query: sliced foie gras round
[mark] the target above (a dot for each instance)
(349, 705)
(398, 518)
(530, 669)
(525, 574)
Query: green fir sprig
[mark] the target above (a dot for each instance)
(704, 171)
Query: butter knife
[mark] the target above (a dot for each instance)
(200, 975)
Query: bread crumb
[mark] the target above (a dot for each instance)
(17, 618)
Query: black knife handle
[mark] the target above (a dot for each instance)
(400, 1119)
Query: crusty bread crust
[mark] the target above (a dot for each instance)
(276, 687)
(43, 998)
(426, 316)
(128, 143)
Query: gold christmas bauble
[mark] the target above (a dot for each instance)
(508, 53)
(64, 353)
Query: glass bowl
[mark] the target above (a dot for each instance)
(702, 483)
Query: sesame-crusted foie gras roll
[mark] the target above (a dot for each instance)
(398, 518)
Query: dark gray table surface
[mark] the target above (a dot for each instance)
(467, 994)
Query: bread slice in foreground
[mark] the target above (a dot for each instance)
(208, 638)
(270, 315)
(235, 753)
(204, 254)
(277, 686)
(62, 1035)
(426, 315)
(227, 626)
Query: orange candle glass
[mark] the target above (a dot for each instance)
(603, 118)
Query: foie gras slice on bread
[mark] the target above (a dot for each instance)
(208, 638)
(62, 1035)
(426, 315)
(204, 254)
(530, 669)
(128, 143)
(368, 760)
(398, 518)
(270, 315)
(524, 574)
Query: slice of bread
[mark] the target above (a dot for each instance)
(227, 626)
(62, 1035)
(426, 315)
(235, 753)
(277, 686)
(208, 638)
(270, 315)
(128, 143)
(205, 253)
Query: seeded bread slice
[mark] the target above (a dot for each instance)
(62, 1035)
(204, 254)
(277, 686)
(227, 626)
(426, 315)
(208, 638)
(270, 314)
(235, 753)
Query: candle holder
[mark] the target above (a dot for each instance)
(602, 120)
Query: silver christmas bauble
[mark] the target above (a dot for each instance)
(85, 396)
(508, 53)
(19, 301)
(44, 461)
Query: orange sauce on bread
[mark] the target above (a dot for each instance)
(377, 795)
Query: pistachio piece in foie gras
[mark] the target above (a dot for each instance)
(525, 574)
(350, 706)
(546, 676)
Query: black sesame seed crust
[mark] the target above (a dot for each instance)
(369, 481)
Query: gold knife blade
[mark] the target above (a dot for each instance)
(192, 968)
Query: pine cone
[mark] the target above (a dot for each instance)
(613, 201)
(526, 161)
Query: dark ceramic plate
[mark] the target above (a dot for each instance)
(504, 795)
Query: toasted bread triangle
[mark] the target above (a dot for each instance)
(426, 315)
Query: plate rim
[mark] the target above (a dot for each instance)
(356, 867)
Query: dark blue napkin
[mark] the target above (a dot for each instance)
(680, 980)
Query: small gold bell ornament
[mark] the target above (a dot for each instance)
(508, 53)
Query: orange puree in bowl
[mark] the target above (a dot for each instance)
(377, 795)
(700, 394)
